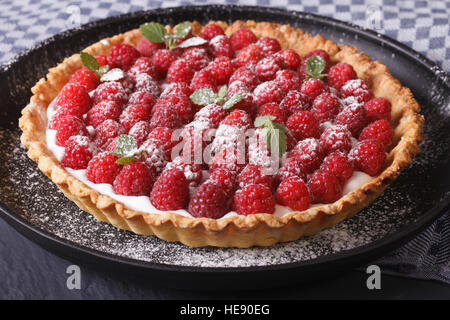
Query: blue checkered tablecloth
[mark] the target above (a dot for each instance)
(422, 25)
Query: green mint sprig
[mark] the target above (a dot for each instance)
(103, 72)
(203, 97)
(314, 67)
(156, 32)
(126, 149)
(274, 132)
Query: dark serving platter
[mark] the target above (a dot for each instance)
(36, 208)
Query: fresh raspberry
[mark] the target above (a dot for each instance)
(144, 82)
(226, 179)
(143, 65)
(291, 59)
(142, 97)
(339, 74)
(181, 104)
(353, 117)
(356, 88)
(85, 78)
(170, 191)
(326, 106)
(194, 137)
(109, 129)
(228, 159)
(103, 168)
(203, 80)
(253, 174)
(308, 153)
(242, 38)
(110, 145)
(248, 55)
(336, 138)
(164, 138)
(102, 111)
(246, 103)
(122, 56)
(272, 109)
(294, 101)
(211, 30)
(245, 75)
(378, 109)
(111, 91)
(132, 114)
(288, 80)
(267, 92)
(134, 179)
(221, 47)
(128, 83)
(162, 59)
(166, 117)
(292, 192)
(266, 69)
(78, 152)
(221, 69)
(379, 130)
(254, 198)
(338, 165)
(303, 124)
(67, 127)
(324, 187)
(147, 48)
(268, 45)
(154, 157)
(177, 88)
(102, 60)
(368, 156)
(291, 168)
(214, 113)
(140, 131)
(74, 99)
(180, 71)
(197, 57)
(209, 201)
(312, 88)
(237, 118)
(193, 172)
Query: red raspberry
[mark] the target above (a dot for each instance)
(146, 83)
(67, 127)
(211, 30)
(140, 131)
(248, 55)
(312, 88)
(226, 179)
(339, 74)
(291, 168)
(324, 187)
(266, 69)
(338, 165)
(353, 117)
(128, 83)
(147, 48)
(242, 38)
(132, 114)
(122, 56)
(170, 191)
(357, 88)
(111, 91)
(268, 45)
(253, 174)
(303, 124)
(378, 109)
(102, 111)
(74, 99)
(143, 65)
(245, 75)
(203, 80)
(106, 131)
(221, 70)
(291, 59)
(58, 115)
(166, 117)
(379, 130)
(294, 101)
(288, 80)
(134, 179)
(209, 201)
(254, 198)
(103, 168)
(180, 71)
(246, 104)
(193, 172)
(85, 78)
(102, 60)
(368, 156)
(164, 138)
(267, 92)
(214, 113)
(326, 106)
(177, 88)
(162, 59)
(78, 152)
(227, 159)
(292, 192)
(197, 57)
(221, 47)
(142, 97)
(154, 157)
(273, 109)
(237, 118)
(309, 153)
(181, 104)
(336, 138)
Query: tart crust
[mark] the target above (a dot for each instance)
(235, 231)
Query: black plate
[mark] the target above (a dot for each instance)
(34, 206)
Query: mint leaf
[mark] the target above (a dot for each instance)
(314, 67)
(154, 32)
(261, 120)
(203, 97)
(125, 146)
(275, 134)
(113, 75)
(125, 160)
(232, 101)
(89, 61)
(221, 95)
(102, 70)
(192, 42)
(182, 30)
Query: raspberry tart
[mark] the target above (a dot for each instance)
(221, 135)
